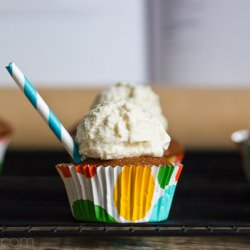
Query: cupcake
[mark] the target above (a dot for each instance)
(5, 131)
(144, 97)
(124, 175)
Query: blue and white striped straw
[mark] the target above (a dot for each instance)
(47, 114)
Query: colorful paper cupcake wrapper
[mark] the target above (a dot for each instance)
(4, 142)
(120, 194)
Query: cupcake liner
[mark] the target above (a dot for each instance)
(120, 194)
(4, 142)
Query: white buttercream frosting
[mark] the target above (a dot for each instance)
(141, 95)
(120, 129)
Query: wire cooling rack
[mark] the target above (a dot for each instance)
(212, 198)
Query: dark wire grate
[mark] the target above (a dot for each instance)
(212, 198)
(132, 230)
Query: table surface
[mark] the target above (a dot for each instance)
(212, 198)
(143, 243)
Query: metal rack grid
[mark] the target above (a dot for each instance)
(124, 230)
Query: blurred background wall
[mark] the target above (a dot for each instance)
(69, 49)
(201, 43)
(68, 42)
(95, 42)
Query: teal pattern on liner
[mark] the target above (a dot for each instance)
(161, 209)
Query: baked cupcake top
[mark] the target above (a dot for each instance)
(140, 95)
(135, 161)
(5, 128)
(120, 129)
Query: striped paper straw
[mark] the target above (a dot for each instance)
(43, 109)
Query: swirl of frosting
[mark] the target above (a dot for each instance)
(141, 95)
(120, 129)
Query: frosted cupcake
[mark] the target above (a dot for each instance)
(125, 176)
(144, 97)
(5, 132)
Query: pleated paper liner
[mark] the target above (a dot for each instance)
(120, 194)
(4, 143)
